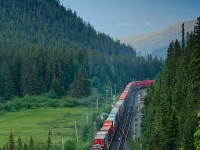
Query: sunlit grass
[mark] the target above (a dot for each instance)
(38, 122)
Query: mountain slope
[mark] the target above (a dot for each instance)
(47, 23)
(155, 43)
(44, 49)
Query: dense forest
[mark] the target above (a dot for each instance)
(45, 47)
(172, 105)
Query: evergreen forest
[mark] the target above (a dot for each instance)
(172, 106)
(47, 48)
(51, 58)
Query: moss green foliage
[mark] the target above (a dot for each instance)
(172, 105)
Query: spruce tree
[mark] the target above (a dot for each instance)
(19, 142)
(11, 145)
(31, 144)
(57, 88)
(73, 86)
(8, 83)
(16, 74)
(25, 146)
(170, 70)
(30, 79)
(177, 49)
(183, 37)
(48, 75)
(197, 136)
(49, 141)
(195, 64)
(173, 130)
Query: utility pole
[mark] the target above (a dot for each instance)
(94, 127)
(113, 99)
(106, 97)
(76, 132)
(119, 84)
(97, 103)
(63, 144)
(111, 92)
(90, 60)
(87, 117)
(115, 88)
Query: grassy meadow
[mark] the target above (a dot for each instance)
(37, 115)
(39, 121)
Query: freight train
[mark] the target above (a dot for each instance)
(103, 138)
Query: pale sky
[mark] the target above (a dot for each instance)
(120, 18)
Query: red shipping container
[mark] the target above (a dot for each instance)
(108, 125)
(126, 89)
(137, 83)
(99, 140)
(145, 83)
(149, 82)
(117, 106)
(123, 96)
(110, 132)
(110, 121)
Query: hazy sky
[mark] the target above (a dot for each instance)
(120, 18)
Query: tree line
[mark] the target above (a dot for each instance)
(38, 70)
(18, 144)
(173, 104)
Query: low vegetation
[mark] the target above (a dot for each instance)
(45, 100)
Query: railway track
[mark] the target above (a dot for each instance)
(119, 141)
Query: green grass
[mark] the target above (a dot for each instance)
(135, 145)
(38, 122)
(37, 115)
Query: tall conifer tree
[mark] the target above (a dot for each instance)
(11, 145)
(183, 37)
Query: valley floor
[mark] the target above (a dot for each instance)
(38, 122)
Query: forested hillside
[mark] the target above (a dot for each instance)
(45, 47)
(26, 23)
(173, 104)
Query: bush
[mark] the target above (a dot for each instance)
(70, 145)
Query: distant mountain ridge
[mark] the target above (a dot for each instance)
(156, 43)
